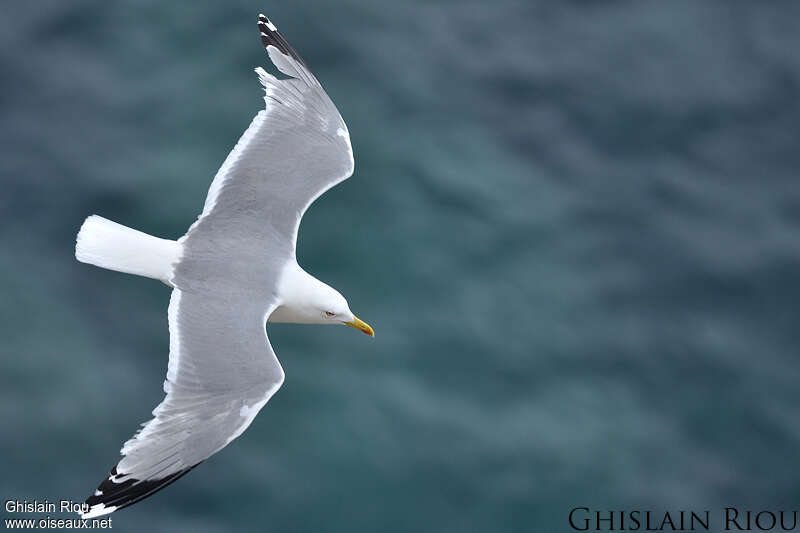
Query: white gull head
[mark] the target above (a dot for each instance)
(307, 300)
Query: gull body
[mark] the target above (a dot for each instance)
(301, 298)
(233, 270)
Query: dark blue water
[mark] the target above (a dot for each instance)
(575, 228)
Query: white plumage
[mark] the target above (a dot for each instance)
(106, 244)
(233, 270)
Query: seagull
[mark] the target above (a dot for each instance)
(234, 270)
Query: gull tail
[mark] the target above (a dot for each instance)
(107, 244)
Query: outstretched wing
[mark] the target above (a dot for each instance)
(222, 371)
(293, 151)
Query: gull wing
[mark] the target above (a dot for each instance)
(293, 151)
(222, 371)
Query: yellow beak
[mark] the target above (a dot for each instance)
(361, 326)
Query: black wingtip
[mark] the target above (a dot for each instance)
(270, 36)
(268, 32)
(116, 495)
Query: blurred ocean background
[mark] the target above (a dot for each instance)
(574, 226)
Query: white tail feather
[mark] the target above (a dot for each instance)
(107, 244)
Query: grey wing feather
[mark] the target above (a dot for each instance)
(293, 151)
(222, 371)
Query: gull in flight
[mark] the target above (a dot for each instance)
(234, 270)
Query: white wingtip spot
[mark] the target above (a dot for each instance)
(119, 477)
(98, 492)
(341, 132)
(98, 510)
(263, 18)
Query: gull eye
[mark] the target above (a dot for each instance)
(329, 314)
